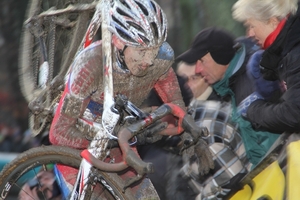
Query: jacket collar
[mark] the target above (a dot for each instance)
(287, 38)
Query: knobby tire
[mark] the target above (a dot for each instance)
(22, 169)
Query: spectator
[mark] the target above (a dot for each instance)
(194, 82)
(275, 25)
(207, 110)
(10, 134)
(221, 61)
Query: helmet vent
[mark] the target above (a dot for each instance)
(118, 22)
(125, 4)
(153, 6)
(142, 8)
(121, 12)
(161, 18)
(136, 26)
(145, 40)
(125, 36)
(154, 30)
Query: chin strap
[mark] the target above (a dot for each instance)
(121, 59)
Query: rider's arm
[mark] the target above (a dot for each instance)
(167, 86)
(63, 130)
(168, 89)
(83, 82)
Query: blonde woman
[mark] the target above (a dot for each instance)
(275, 25)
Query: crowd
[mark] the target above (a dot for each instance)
(249, 84)
(12, 137)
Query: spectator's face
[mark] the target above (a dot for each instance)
(211, 71)
(195, 81)
(139, 59)
(44, 186)
(260, 30)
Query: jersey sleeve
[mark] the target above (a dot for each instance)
(82, 83)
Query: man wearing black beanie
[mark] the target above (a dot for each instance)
(217, 54)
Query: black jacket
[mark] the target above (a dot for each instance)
(284, 55)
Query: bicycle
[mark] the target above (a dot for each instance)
(42, 91)
(108, 171)
(48, 45)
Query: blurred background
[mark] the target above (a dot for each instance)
(185, 18)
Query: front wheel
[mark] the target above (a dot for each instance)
(25, 170)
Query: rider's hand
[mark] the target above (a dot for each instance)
(203, 157)
(198, 153)
(152, 133)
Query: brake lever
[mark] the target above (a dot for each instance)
(122, 102)
(132, 109)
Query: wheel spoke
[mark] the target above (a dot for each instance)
(34, 169)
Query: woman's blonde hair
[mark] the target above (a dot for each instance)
(263, 10)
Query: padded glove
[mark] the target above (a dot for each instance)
(198, 153)
(151, 133)
(203, 157)
(263, 87)
(243, 106)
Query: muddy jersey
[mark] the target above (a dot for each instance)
(84, 91)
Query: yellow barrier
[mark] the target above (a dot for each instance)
(293, 171)
(270, 183)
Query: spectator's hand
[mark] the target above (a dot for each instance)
(263, 87)
(253, 67)
(243, 106)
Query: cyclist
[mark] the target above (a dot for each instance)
(141, 60)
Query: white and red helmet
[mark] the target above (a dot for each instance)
(138, 22)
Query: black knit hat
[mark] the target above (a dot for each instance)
(219, 43)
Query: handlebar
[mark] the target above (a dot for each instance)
(131, 158)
